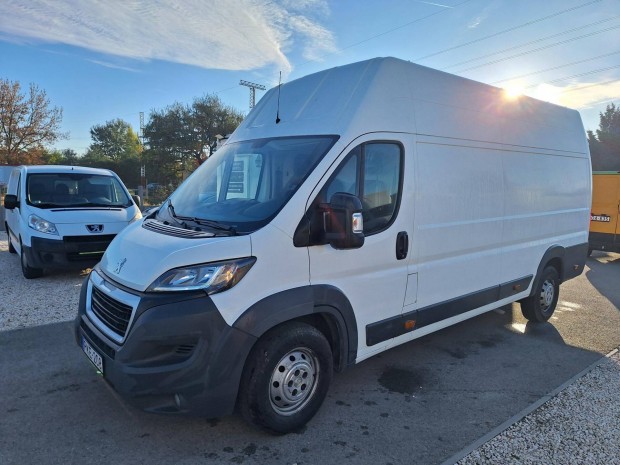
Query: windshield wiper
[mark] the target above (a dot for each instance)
(182, 220)
(173, 215)
(210, 224)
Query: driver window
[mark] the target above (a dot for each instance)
(371, 171)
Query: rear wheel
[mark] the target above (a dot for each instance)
(286, 378)
(541, 304)
(28, 271)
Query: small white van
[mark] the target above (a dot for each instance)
(64, 216)
(353, 210)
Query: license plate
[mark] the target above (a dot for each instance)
(601, 218)
(92, 355)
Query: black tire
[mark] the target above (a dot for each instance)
(11, 248)
(541, 304)
(286, 378)
(590, 252)
(28, 271)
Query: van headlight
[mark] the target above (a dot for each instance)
(210, 277)
(136, 217)
(43, 226)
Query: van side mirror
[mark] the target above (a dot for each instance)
(342, 221)
(10, 202)
(137, 200)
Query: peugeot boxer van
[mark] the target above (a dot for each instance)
(353, 210)
(64, 216)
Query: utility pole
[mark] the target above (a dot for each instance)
(253, 86)
(142, 189)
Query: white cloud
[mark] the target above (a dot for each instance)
(231, 35)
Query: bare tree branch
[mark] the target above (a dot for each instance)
(27, 122)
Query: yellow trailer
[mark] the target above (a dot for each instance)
(604, 224)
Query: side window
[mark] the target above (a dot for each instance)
(346, 177)
(372, 171)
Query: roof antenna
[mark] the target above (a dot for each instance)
(278, 111)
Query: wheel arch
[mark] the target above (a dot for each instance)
(322, 306)
(554, 256)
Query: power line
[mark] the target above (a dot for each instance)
(566, 78)
(556, 67)
(591, 85)
(528, 52)
(525, 44)
(340, 50)
(392, 30)
(529, 23)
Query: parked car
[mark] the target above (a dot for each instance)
(64, 216)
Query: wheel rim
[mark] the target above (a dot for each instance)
(547, 294)
(294, 381)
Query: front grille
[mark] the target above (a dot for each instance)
(103, 238)
(86, 248)
(111, 312)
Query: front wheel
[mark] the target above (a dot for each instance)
(541, 304)
(286, 378)
(11, 248)
(28, 271)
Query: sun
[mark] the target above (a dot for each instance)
(513, 91)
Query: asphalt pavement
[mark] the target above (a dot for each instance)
(419, 403)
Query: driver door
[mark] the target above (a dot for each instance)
(374, 276)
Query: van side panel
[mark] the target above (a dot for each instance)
(458, 221)
(546, 203)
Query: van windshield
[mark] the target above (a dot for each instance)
(243, 185)
(73, 190)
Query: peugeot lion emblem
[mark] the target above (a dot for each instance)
(94, 228)
(120, 265)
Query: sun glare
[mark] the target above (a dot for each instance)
(513, 91)
(548, 93)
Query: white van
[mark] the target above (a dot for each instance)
(64, 216)
(353, 210)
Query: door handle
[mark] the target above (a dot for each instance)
(402, 245)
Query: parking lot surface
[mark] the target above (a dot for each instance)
(419, 403)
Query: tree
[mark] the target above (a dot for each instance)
(605, 144)
(185, 135)
(58, 157)
(115, 140)
(115, 147)
(27, 123)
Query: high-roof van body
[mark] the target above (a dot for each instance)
(353, 210)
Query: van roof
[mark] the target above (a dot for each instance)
(65, 169)
(393, 95)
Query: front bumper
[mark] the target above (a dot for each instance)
(70, 252)
(178, 354)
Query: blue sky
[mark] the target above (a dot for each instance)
(107, 59)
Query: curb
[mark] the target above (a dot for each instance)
(523, 413)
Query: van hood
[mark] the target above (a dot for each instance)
(85, 215)
(138, 256)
